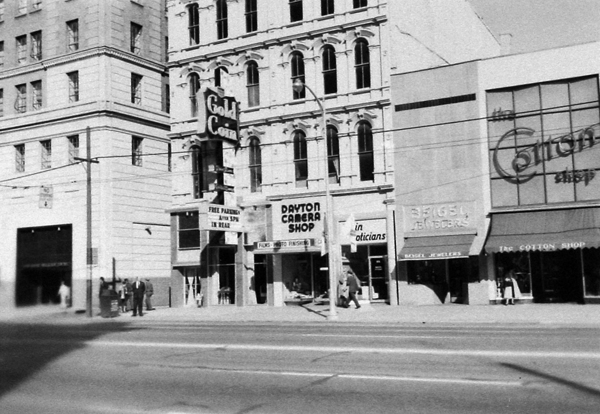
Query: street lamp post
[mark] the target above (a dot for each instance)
(298, 86)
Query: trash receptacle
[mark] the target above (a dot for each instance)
(109, 304)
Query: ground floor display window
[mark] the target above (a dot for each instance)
(557, 276)
(305, 276)
(369, 263)
(221, 267)
(446, 277)
(44, 260)
(192, 287)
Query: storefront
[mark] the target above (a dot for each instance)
(441, 251)
(544, 150)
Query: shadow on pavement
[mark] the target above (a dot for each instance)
(571, 384)
(27, 348)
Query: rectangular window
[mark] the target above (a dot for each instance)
(21, 49)
(251, 16)
(136, 88)
(36, 95)
(1, 54)
(360, 3)
(46, 147)
(36, 45)
(327, 7)
(22, 7)
(222, 25)
(1, 10)
(36, 4)
(20, 158)
(21, 101)
(189, 230)
(544, 143)
(296, 11)
(194, 24)
(136, 151)
(73, 148)
(73, 78)
(73, 35)
(136, 39)
(1, 102)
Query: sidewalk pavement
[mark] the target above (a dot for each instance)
(560, 315)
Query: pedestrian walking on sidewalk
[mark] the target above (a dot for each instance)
(149, 293)
(138, 290)
(353, 288)
(64, 293)
(508, 291)
(343, 291)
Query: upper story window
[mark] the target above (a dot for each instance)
(329, 70)
(46, 147)
(365, 151)
(21, 100)
(73, 148)
(297, 68)
(73, 35)
(1, 102)
(300, 158)
(2, 10)
(251, 16)
(194, 90)
(327, 7)
(21, 49)
(136, 88)
(252, 84)
(20, 158)
(188, 231)
(73, 78)
(36, 95)
(36, 4)
(36, 45)
(333, 154)
(360, 3)
(362, 64)
(221, 77)
(194, 24)
(135, 44)
(1, 54)
(222, 19)
(255, 164)
(22, 7)
(296, 11)
(136, 151)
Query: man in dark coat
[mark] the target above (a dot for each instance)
(149, 293)
(138, 289)
(353, 288)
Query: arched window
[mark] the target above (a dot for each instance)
(329, 70)
(197, 175)
(297, 67)
(333, 154)
(300, 158)
(365, 151)
(194, 24)
(194, 90)
(253, 84)
(221, 74)
(362, 64)
(222, 19)
(255, 164)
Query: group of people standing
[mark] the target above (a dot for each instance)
(132, 294)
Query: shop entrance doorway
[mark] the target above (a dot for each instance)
(378, 289)
(260, 278)
(44, 259)
(561, 276)
(221, 268)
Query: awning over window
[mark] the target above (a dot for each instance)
(437, 247)
(544, 230)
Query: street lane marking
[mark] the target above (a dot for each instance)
(399, 336)
(377, 377)
(362, 350)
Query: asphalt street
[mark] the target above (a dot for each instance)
(192, 367)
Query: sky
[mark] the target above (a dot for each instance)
(541, 24)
